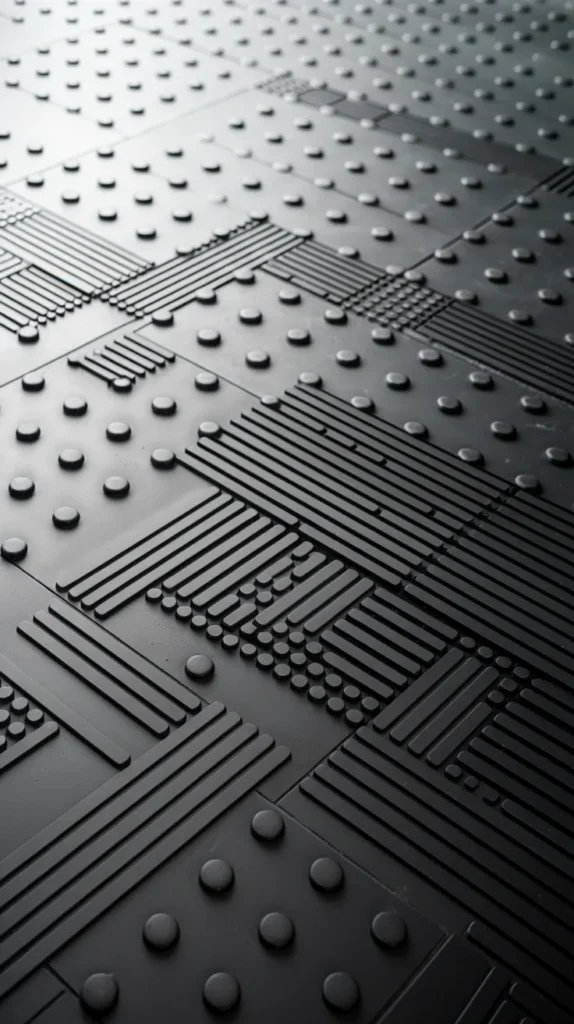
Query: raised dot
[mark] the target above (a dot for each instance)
(471, 455)
(161, 932)
(206, 296)
(28, 334)
(163, 405)
(416, 429)
(290, 296)
(363, 403)
(335, 316)
(162, 318)
(163, 458)
(268, 826)
(527, 482)
(21, 487)
(397, 381)
(122, 385)
(251, 316)
(71, 458)
(205, 381)
(481, 379)
(312, 380)
(209, 429)
(66, 517)
(450, 406)
(558, 456)
(257, 359)
(430, 357)
(388, 929)
(341, 992)
(118, 431)
(298, 336)
(533, 404)
(75, 406)
(503, 430)
(326, 874)
(27, 432)
(221, 992)
(199, 666)
(14, 549)
(216, 876)
(276, 930)
(116, 487)
(382, 335)
(208, 336)
(347, 358)
(33, 382)
(99, 993)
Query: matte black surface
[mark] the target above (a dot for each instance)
(286, 498)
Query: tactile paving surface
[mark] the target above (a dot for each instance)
(286, 511)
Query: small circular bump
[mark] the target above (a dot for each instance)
(71, 458)
(163, 405)
(146, 232)
(163, 458)
(276, 931)
(122, 385)
(118, 431)
(471, 455)
(416, 429)
(199, 666)
(27, 432)
(445, 256)
(161, 932)
(33, 382)
(66, 518)
(533, 404)
(206, 296)
(205, 381)
(523, 255)
(558, 456)
(335, 316)
(481, 379)
(75, 406)
(363, 403)
(326, 874)
(388, 929)
(216, 876)
(116, 487)
(382, 336)
(548, 235)
(549, 296)
(466, 295)
(154, 595)
(430, 357)
(257, 359)
(107, 213)
(250, 316)
(341, 992)
(245, 276)
(347, 358)
(14, 549)
(290, 296)
(268, 825)
(209, 429)
(397, 381)
(21, 488)
(99, 994)
(208, 336)
(298, 336)
(503, 430)
(450, 406)
(312, 380)
(527, 482)
(495, 275)
(162, 318)
(382, 234)
(221, 992)
(28, 334)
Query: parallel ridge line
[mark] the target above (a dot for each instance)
(503, 347)
(125, 557)
(68, 875)
(30, 295)
(511, 578)
(323, 272)
(385, 643)
(76, 257)
(486, 864)
(562, 182)
(119, 675)
(30, 742)
(212, 265)
(63, 714)
(385, 518)
(126, 356)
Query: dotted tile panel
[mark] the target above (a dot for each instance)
(124, 79)
(124, 202)
(364, 162)
(33, 24)
(34, 136)
(221, 177)
(522, 265)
